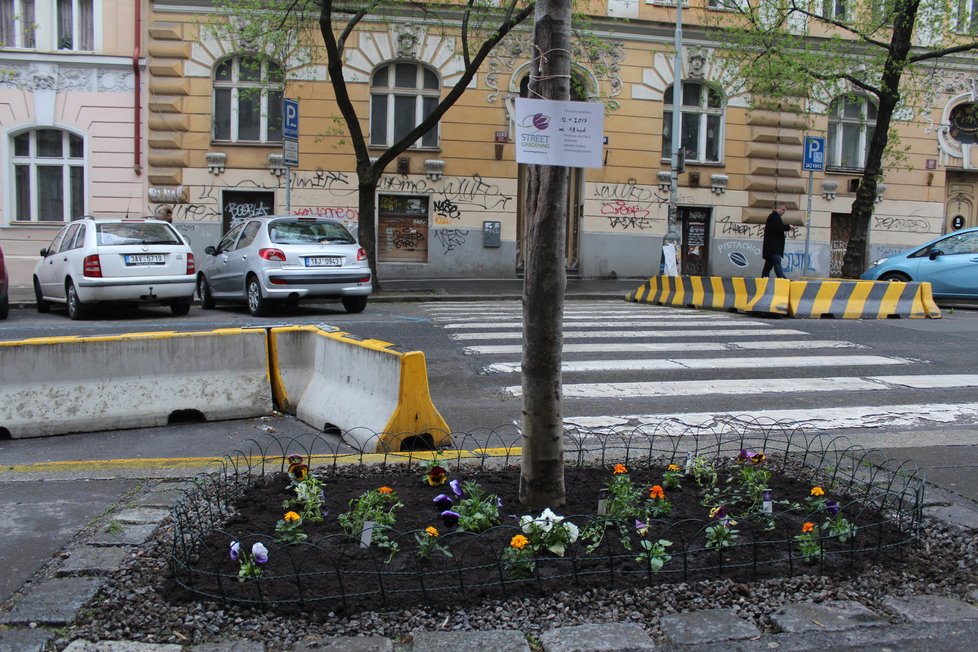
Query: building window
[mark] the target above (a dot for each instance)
(701, 123)
(964, 123)
(726, 4)
(402, 94)
(966, 17)
(49, 24)
(852, 121)
(17, 28)
(248, 100)
(48, 175)
(76, 25)
(834, 9)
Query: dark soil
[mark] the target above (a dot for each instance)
(331, 572)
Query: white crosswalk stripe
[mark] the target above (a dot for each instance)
(697, 358)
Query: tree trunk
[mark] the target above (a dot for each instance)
(367, 190)
(865, 201)
(545, 279)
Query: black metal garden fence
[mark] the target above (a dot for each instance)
(881, 497)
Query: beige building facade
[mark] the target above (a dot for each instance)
(210, 144)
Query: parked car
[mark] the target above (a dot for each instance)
(286, 259)
(113, 260)
(4, 288)
(949, 263)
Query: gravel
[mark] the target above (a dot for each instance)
(131, 607)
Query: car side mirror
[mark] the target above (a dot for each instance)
(934, 253)
(210, 250)
(44, 253)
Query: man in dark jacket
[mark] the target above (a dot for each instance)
(773, 248)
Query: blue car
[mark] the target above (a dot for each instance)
(949, 263)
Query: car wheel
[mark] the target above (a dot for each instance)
(354, 304)
(257, 304)
(204, 292)
(75, 309)
(895, 276)
(42, 305)
(180, 308)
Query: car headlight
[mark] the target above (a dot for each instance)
(877, 263)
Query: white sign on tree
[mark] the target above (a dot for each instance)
(551, 132)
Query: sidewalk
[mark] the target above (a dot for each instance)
(31, 620)
(446, 290)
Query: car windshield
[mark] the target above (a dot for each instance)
(301, 232)
(127, 233)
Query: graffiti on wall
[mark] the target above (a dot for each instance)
(446, 211)
(796, 261)
(908, 224)
(740, 252)
(471, 191)
(450, 239)
(627, 205)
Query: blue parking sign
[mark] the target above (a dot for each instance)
(814, 153)
(290, 119)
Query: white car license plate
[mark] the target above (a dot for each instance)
(324, 261)
(144, 259)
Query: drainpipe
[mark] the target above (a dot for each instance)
(137, 96)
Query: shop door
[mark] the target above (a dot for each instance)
(959, 212)
(695, 254)
(239, 205)
(841, 231)
(575, 209)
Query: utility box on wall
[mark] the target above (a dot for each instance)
(491, 234)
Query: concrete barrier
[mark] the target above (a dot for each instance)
(375, 395)
(765, 295)
(845, 299)
(59, 385)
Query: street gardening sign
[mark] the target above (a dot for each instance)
(551, 132)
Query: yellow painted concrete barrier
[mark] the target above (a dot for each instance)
(59, 385)
(375, 395)
(766, 295)
(845, 299)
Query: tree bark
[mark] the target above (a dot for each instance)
(905, 18)
(545, 279)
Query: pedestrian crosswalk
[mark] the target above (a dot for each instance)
(630, 365)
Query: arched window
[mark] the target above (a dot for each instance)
(248, 100)
(49, 175)
(402, 94)
(701, 123)
(852, 121)
(964, 123)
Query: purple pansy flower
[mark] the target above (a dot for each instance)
(443, 502)
(450, 518)
(456, 487)
(833, 507)
(260, 553)
(235, 546)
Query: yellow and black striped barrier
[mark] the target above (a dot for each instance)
(839, 299)
(768, 295)
(842, 299)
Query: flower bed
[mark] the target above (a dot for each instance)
(327, 535)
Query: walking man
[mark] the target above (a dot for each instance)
(773, 248)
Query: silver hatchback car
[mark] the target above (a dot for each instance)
(285, 258)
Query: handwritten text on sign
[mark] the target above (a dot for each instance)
(550, 132)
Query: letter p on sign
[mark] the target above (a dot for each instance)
(814, 153)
